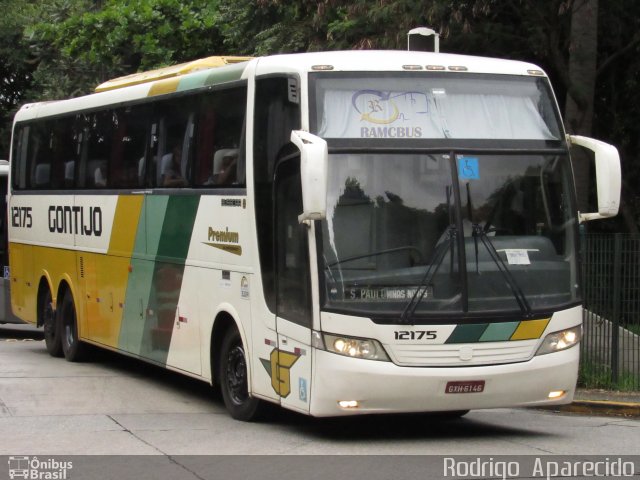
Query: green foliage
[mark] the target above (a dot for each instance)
(89, 46)
(268, 26)
(593, 374)
(16, 65)
(60, 48)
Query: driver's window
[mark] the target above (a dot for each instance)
(293, 293)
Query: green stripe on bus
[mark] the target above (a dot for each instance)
(225, 74)
(467, 333)
(136, 307)
(138, 289)
(155, 210)
(228, 73)
(499, 332)
(177, 227)
(155, 278)
(172, 249)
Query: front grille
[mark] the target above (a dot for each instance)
(450, 355)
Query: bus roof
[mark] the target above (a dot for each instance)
(394, 60)
(204, 72)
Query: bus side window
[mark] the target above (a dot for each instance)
(39, 155)
(129, 147)
(64, 153)
(98, 149)
(219, 153)
(175, 143)
(19, 159)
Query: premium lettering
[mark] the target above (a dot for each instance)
(223, 236)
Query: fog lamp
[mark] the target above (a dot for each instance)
(556, 394)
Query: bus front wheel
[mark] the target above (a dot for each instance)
(234, 380)
(52, 337)
(72, 347)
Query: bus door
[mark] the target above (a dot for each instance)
(292, 285)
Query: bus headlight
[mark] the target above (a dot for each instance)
(366, 348)
(554, 342)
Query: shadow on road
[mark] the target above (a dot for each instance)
(9, 331)
(344, 429)
(401, 427)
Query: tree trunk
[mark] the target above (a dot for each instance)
(582, 77)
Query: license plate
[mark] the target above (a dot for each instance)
(471, 386)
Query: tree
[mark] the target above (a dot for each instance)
(578, 112)
(119, 38)
(585, 47)
(15, 67)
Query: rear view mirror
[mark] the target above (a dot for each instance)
(608, 176)
(313, 172)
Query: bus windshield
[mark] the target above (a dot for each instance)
(397, 222)
(413, 105)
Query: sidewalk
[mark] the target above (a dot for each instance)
(603, 402)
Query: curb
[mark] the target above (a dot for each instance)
(599, 407)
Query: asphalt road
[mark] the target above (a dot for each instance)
(116, 406)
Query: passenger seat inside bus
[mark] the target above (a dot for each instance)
(69, 173)
(97, 173)
(42, 175)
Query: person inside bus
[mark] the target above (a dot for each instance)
(171, 169)
(224, 167)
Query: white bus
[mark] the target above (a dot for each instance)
(338, 233)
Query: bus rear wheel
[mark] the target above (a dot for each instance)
(74, 350)
(52, 336)
(234, 382)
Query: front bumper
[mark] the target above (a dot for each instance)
(383, 387)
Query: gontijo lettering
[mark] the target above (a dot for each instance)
(75, 220)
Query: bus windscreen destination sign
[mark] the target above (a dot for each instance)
(385, 293)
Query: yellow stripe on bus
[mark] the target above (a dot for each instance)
(163, 87)
(530, 329)
(107, 275)
(125, 225)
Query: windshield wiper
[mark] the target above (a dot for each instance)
(479, 232)
(438, 257)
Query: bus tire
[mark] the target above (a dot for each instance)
(73, 349)
(234, 380)
(52, 334)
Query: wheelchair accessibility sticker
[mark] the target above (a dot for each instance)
(468, 168)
